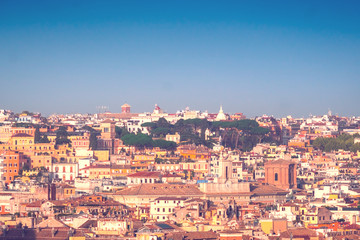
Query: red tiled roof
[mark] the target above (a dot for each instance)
(145, 174)
(21, 135)
(160, 189)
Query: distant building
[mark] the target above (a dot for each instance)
(221, 115)
(143, 177)
(12, 162)
(162, 207)
(173, 137)
(157, 110)
(125, 108)
(237, 116)
(281, 173)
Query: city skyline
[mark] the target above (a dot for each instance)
(179, 120)
(276, 58)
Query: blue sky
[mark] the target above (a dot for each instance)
(257, 57)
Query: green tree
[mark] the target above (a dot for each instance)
(139, 140)
(163, 123)
(62, 136)
(355, 148)
(88, 128)
(93, 141)
(120, 132)
(149, 125)
(37, 135)
(245, 133)
(163, 144)
(160, 131)
(44, 139)
(344, 141)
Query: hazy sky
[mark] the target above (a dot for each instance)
(256, 57)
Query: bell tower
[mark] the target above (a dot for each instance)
(281, 173)
(225, 169)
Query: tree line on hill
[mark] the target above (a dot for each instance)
(343, 141)
(242, 134)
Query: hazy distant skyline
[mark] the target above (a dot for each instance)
(257, 57)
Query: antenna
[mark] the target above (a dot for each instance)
(102, 109)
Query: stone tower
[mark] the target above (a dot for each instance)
(281, 173)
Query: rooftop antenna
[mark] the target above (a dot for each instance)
(102, 109)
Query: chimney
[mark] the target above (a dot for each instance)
(49, 194)
(53, 191)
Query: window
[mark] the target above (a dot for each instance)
(276, 177)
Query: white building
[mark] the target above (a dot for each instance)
(221, 115)
(83, 164)
(162, 207)
(173, 137)
(65, 171)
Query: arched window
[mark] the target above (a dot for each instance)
(276, 177)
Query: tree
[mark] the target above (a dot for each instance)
(149, 125)
(162, 122)
(120, 132)
(139, 140)
(62, 136)
(44, 139)
(344, 141)
(163, 144)
(88, 128)
(245, 132)
(355, 148)
(93, 141)
(160, 131)
(37, 135)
